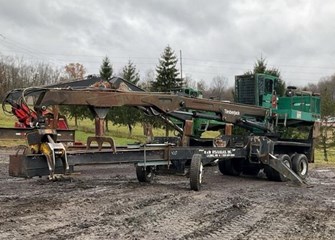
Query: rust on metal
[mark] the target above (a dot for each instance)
(63, 135)
(164, 102)
(100, 141)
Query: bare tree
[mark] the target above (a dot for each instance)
(148, 79)
(75, 70)
(202, 86)
(17, 73)
(218, 87)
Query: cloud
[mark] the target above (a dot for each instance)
(216, 37)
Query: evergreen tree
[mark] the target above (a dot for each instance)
(167, 72)
(106, 69)
(126, 115)
(130, 73)
(261, 67)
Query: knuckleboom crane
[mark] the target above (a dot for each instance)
(262, 149)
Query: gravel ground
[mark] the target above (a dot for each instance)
(107, 202)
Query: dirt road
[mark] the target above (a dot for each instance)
(107, 202)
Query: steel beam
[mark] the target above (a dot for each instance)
(63, 135)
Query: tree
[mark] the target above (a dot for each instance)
(167, 72)
(106, 69)
(261, 67)
(130, 73)
(219, 84)
(126, 115)
(326, 87)
(149, 78)
(17, 73)
(75, 71)
(202, 86)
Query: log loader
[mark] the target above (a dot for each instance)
(259, 111)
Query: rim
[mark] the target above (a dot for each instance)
(303, 166)
(287, 163)
(148, 172)
(200, 172)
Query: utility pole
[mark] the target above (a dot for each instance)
(181, 64)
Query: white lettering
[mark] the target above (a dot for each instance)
(232, 112)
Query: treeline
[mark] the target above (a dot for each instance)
(326, 88)
(17, 73)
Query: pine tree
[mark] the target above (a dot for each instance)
(106, 69)
(167, 72)
(126, 115)
(130, 73)
(261, 67)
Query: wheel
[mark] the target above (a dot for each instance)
(251, 170)
(232, 167)
(196, 172)
(144, 174)
(287, 161)
(269, 172)
(273, 174)
(300, 165)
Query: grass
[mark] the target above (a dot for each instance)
(119, 133)
(85, 129)
(319, 156)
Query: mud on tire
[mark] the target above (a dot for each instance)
(196, 172)
(144, 174)
(231, 167)
(300, 165)
(273, 174)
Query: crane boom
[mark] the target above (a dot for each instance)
(164, 103)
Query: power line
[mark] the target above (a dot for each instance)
(190, 65)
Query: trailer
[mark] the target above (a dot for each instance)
(262, 145)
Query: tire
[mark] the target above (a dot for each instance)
(251, 170)
(300, 165)
(144, 174)
(287, 161)
(196, 172)
(231, 167)
(274, 175)
(269, 172)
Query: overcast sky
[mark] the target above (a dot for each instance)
(217, 37)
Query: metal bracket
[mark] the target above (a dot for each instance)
(57, 149)
(282, 168)
(100, 141)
